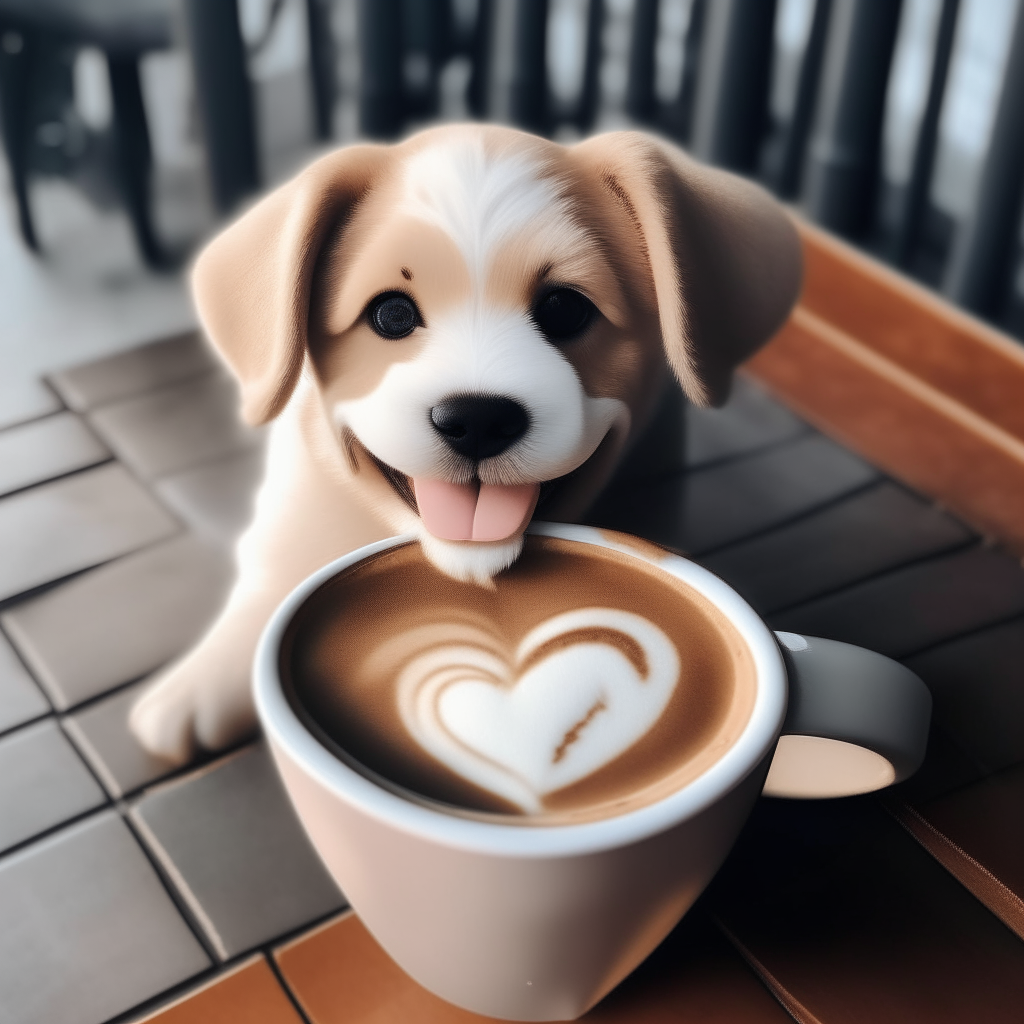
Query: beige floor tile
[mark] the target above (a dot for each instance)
(122, 620)
(228, 836)
(88, 929)
(177, 427)
(62, 527)
(101, 734)
(216, 499)
(20, 699)
(43, 782)
(44, 449)
(146, 368)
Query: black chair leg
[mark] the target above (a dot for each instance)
(134, 157)
(16, 63)
(321, 65)
(224, 99)
(381, 106)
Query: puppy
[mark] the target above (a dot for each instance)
(453, 335)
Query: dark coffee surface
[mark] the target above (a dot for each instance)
(346, 649)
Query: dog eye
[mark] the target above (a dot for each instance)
(563, 313)
(394, 315)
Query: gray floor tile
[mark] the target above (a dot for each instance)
(20, 699)
(749, 421)
(216, 499)
(722, 504)
(230, 839)
(122, 620)
(24, 398)
(43, 782)
(46, 448)
(868, 533)
(977, 683)
(145, 368)
(88, 929)
(177, 427)
(101, 733)
(911, 609)
(68, 525)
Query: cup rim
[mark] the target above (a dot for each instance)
(287, 733)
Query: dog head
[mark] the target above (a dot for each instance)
(490, 318)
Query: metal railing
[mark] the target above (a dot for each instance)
(898, 124)
(800, 94)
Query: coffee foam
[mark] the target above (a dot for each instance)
(587, 683)
(580, 689)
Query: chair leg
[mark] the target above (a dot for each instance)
(16, 62)
(321, 66)
(224, 98)
(134, 157)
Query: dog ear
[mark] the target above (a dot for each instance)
(724, 256)
(252, 282)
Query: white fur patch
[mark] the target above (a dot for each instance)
(484, 200)
(476, 349)
(471, 562)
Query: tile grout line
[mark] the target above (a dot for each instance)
(687, 470)
(88, 753)
(84, 412)
(49, 833)
(283, 982)
(789, 520)
(966, 634)
(5, 637)
(915, 560)
(717, 462)
(7, 603)
(62, 406)
(57, 478)
(177, 888)
(138, 1013)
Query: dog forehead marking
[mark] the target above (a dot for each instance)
(483, 200)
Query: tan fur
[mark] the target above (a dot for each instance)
(690, 267)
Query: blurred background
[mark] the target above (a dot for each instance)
(132, 128)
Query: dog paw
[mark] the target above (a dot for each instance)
(163, 722)
(175, 718)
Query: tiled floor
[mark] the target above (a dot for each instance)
(128, 889)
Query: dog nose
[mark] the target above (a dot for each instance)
(479, 426)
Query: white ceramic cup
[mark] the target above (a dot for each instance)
(538, 923)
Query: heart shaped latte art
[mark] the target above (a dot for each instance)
(583, 687)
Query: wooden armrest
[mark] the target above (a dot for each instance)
(918, 387)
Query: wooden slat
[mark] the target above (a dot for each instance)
(916, 329)
(925, 392)
(968, 871)
(847, 920)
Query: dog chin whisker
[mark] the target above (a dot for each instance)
(457, 469)
(507, 470)
(471, 561)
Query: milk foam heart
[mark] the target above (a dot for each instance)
(583, 687)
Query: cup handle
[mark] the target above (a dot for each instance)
(856, 722)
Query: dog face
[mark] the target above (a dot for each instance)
(490, 318)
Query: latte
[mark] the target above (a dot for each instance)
(585, 684)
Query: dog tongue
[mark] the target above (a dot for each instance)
(482, 512)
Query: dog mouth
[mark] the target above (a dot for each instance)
(473, 511)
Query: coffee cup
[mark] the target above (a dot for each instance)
(525, 886)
